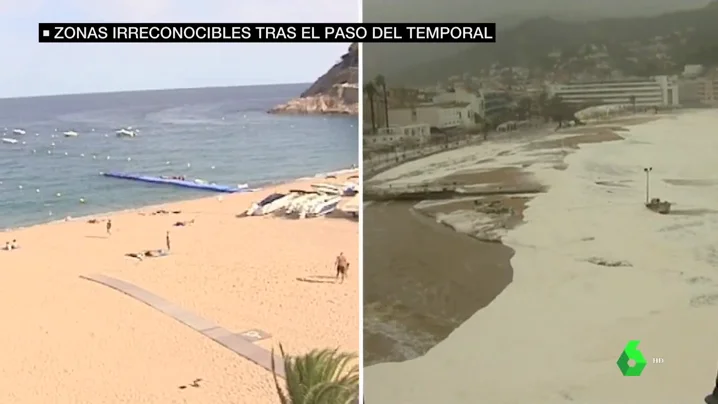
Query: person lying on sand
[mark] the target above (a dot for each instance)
(13, 245)
(134, 255)
(184, 223)
(8, 247)
(147, 254)
(342, 267)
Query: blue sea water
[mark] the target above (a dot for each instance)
(222, 135)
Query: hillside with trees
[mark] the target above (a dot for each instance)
(634, 46)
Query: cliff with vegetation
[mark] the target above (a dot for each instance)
(640, 46)
(336, 92)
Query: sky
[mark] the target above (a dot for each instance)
(31, 69)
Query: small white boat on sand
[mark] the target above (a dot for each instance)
(70, 133)
(325, 188)
(320, 206)
(9, 140)
(272, 203)
(297, 203)
(18, 132)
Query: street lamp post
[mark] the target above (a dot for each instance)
(648, 170)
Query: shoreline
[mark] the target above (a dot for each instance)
(214, 195)
(104, 346)
(483, 220)
(584, 247)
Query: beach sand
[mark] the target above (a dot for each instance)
(555, 333)
(69, 340)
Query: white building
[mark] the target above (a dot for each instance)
(460, 95)
(650, 92)
(416, 134)
(438, 115)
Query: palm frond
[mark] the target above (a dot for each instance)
(324, 376)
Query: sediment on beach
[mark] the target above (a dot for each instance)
(268, 274)
(573, 301)
(423, 276)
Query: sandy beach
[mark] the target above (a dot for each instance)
(592, 270)
(69, 340)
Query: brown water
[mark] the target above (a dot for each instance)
(422, 280)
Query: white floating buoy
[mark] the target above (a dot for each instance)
(49, 213)
(129, 159)
(105, 134)
(34, 151)
(94, 157)
(24, 142)
(108, 157)
(65, 153)
(58, 194)
(82, 200)
(212, 167)
(189, 165)
(82, 154)
(37, 134)
(19, 186)
(49, 152)
(52, 144)
(93, 129)
(167, 162)
(37, 190)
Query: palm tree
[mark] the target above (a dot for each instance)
(381, 82)
(320, 377)
(370, 92)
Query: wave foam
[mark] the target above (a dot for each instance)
(556, 332)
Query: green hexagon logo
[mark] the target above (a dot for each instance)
(631, 353)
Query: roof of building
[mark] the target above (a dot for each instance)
(452, 104)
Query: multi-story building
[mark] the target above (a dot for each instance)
(700, 91)
(647, 92)
(408, 135)
(496, 102)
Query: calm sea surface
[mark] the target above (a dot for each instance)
(222, 135)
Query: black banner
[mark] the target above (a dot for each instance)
(254, 33)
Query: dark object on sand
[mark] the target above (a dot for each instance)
(183, 223)
(148, 254)
(659, 206)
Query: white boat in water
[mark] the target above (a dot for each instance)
(126, 132)
(70, 133)
(9, 140)
(320, 206)
(18, 131)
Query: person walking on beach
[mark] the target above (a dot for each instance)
(109, 227)
(167, 240)
(342, 267)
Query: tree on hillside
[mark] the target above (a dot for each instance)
(319, 377)
(370, 92)
(381, 82)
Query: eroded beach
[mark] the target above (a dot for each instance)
(592, 269)
(69, 340)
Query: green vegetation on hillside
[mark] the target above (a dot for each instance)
(633, 46)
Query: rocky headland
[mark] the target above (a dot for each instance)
(336, 92)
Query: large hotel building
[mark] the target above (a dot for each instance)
(649, 92)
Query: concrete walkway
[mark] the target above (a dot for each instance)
(222, 336)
